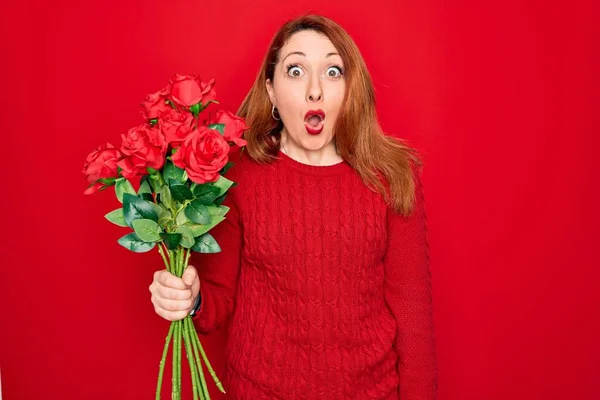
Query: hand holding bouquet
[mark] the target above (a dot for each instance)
(180, 155)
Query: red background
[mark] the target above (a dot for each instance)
(501, 97)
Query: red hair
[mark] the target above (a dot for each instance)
(384, 163)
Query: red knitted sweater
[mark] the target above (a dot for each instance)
(328, 289)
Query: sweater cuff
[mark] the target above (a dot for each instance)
(197, 304)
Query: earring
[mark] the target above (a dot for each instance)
(273, 113)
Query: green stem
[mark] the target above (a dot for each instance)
(162, 254)
(179, 347)
(190, 358)
(180, 261)
(163, 360)
(187, 258)
(180, 329)
(180, 324)
(210, 368)
(195, 344)
(174, 372)
(171, 261)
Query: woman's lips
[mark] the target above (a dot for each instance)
(314, 130)
(313, 121)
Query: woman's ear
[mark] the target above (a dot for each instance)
(269, 86)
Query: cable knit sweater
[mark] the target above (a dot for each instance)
(328, 289)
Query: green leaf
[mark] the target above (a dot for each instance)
(218, 127)
(223, 184)
(117, 217)
(155, 178)
(219, 200)
(145, 178)
(107, 181)
(224, 210)
(157, 209)
(132, 242)
(181, 219)
(199, 229)
(197, 212)
(213, 210)
(206, 194)
(180, 192)
(122, 186)
(220, 211)
(187, 236)
(146, 196)
(136, 208)
(172, 240)
(165, 196)
(147, 230)
(164, 216)
(195, 109)
(206, 244)
(224, 170)
(170, 171)
(144, 187)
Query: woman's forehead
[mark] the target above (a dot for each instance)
(308, 44)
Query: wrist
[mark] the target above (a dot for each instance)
(196, 305)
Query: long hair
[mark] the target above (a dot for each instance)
(384, 163)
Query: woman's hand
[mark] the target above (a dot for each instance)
(174, 297)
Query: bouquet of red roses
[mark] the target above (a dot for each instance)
(181, 158)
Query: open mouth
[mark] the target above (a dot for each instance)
(313, 121)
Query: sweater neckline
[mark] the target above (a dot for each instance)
(323, 170)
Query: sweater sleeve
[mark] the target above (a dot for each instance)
(218, 272)
(407, 291)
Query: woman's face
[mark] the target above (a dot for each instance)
(308, 77)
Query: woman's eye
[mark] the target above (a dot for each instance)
(334, 72)
(294, 71)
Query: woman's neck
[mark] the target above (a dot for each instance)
(326, 155)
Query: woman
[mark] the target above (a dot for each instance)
(324, 269)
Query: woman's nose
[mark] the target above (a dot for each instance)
(314, 91)
(312, 97)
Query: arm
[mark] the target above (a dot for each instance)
(218, 272)
(407, 291)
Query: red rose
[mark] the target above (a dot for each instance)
(101, 163)
(203, 154)
(187, 90)
(154, 104)
(234, 126)
(143, 147)
(175, 126)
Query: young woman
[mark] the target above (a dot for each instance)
(324, 267)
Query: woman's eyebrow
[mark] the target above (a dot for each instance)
(304, 55)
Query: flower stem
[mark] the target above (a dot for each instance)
(171, 261)
(174, 380)
(162, 254)
(190, 358)
(180, 261)
(195, 345)
(187, 258)
(174, 371)
(163, 360)
(210, 368)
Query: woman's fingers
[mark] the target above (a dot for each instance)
(166, 278)
(170, 315)
(173, 294)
